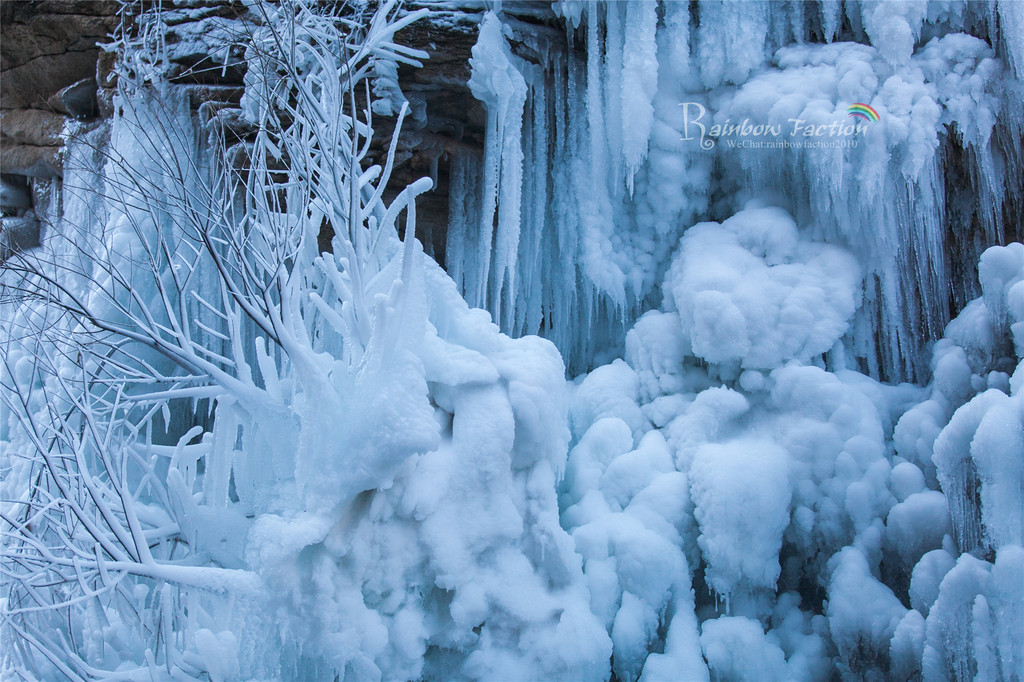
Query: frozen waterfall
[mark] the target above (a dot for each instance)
(721, 378)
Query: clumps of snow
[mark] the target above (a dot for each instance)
(750, 291)
(969, 430)
(624, 173)
(894, 28)
(728, 500)
(917, 525)
(629, 529)
(381, 475)
(1001, 271)
(737, 648)
(835, 440)
(875, 188)
(780, 462)
(793, 481)
(216, 653)
(974, 453)
(863, 613)
(608, 391)
(956, 640)
(740, 492)
(455, 550)
(977, 460)
(657, 349)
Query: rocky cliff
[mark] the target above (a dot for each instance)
(53, 69)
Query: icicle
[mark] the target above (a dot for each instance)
(984, 641)
(890, 179)
(1011, 22)
(527, 297)
(497, 82)
(460, 194)
(595, 101)
(612, 81)
(831, 18)
(949, 651)
(639, 82)
(677, 36)
(731, 40)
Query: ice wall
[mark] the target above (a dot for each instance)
(884, 198)
(611, 154)
(817, 523)
(606, 183)
(393, 487)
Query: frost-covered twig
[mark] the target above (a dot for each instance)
(197, 279)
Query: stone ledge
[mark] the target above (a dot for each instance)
(31, 161)
(31, 127)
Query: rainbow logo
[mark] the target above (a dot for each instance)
(864, 111)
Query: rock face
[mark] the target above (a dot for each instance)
(15, 195)
(49, 45)
(29, 127)
(445, 115)
(446, 118)
(19, 227)
(30, 142)
(48, 59)
(52, 69)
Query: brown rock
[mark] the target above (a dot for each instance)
(18, 10)
(41, 34)
(105, 76)
(15, 195)
(79, 100)
(200, 94)
(48, 45)
(30, 161)
(31, 127)
(31, 84)
(105, 101)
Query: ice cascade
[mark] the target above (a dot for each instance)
(649, 129)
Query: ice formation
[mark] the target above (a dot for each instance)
(625, 122)
(376, 496)
(792, 442)
(749, 292)
(601, 171)
(786, 486)
(796, 477)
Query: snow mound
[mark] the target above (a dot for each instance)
(750, 291)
